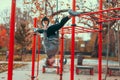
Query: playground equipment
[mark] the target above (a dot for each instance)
(110, 69)
(80, 66)
(33, 51)
(73, 30)
(11, 44)
(56, 67)
(90, 68)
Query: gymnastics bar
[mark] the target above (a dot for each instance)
(11, 42)
(72, 43)
(33, 51)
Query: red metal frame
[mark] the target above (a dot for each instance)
(100, 44)
(73, 31)
(72, 43)
(11, 42)
(79, 29)
(39, 46)
(61, 54)
(33, 51)
(104, 16)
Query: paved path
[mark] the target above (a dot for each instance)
(24, 73)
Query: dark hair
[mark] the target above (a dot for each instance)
(45, 19)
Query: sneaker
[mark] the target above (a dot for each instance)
(73, 13)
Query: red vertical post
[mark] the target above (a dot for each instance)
(72, 43)
(61, 54)
(11, 42)
(100, 44)
(39, 45)
(33, 51)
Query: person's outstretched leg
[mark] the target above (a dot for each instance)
(74, 13)
(56, 27)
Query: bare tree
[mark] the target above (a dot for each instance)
(22, 30)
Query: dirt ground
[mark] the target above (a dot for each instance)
(25, 70)
(24, 73)
(26, 58)
(4, 66)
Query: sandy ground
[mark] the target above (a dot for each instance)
(24, 73)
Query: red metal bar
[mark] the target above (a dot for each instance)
(109, 20)
(11, 42)
(100, 11)
(100, 45)
(33, 51)
(72, 43)
(85, 29)
(78, 29)
(61, 54)
(109, 17)
(114, 13)
(39, 46)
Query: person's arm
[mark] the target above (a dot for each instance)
(38, 30)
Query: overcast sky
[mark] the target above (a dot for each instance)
(6, 4)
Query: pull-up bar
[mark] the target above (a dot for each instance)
(33, 51)
(104, 18)
(78, 29)
(100, 11)
(61, 54)
(11, 42)
(100, 44)
(72, 43)
(73, 31)
(39, 46)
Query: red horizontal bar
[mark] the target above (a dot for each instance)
(99, 11)
(68, 32)
(78, 29)
(109, 20)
